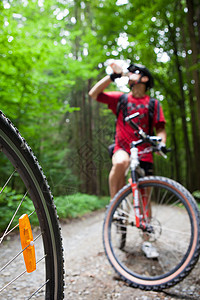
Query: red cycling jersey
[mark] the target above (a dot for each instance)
(124, 132)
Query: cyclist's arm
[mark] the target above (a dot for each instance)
(161, 132)
(99, 87)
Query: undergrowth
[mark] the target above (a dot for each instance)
(69, 206)
(72, 206)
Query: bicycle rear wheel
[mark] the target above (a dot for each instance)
(174, 229)
(27, 186)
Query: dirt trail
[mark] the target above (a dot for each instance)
(90, 276)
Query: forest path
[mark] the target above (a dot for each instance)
(88, 274)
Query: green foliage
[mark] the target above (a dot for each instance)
(76, 205)
(52, 52)
(70, 206)
(9, 202)
(196, 195)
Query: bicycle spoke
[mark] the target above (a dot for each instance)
(130, 205)
(18, 254)
(169, 220)
(1, 239)
(170, 231)
(121, 211)
(170, 246)
(12, 281)
(7, 182)
(18, 224)
(148, 204)
(21, 161)
(36, 292)
(121, 225)
(18, 276)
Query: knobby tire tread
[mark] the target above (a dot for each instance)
(196, 254)
(46, 211)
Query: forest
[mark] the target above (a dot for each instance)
(53, 51)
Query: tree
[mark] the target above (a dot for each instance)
(54, 51)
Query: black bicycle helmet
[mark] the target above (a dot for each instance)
(144, 71)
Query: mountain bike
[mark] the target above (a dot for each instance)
(156, 210)
(32, 265)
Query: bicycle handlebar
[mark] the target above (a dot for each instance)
(128, 118)
(145, 138)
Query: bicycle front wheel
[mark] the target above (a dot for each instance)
(173, 229)
(23, 182)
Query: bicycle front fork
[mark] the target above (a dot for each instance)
(140, 197)
(141, 214)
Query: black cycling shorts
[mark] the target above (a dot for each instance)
(147, 166)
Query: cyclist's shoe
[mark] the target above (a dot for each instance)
(149, 250)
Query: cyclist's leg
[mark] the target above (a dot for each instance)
(147, 166)
(120, 163)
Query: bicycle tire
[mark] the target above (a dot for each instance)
(178, 241)
(17, 152)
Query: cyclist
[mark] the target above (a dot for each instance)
(140, 80)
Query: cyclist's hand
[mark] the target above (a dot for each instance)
(161, 147)
(117, 71)
(116, 68)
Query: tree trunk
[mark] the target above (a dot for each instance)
(195, 54)
(194, 126)
(175, 172)
(181, 102)
(176, 160)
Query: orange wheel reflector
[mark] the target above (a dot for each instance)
(26, 237)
